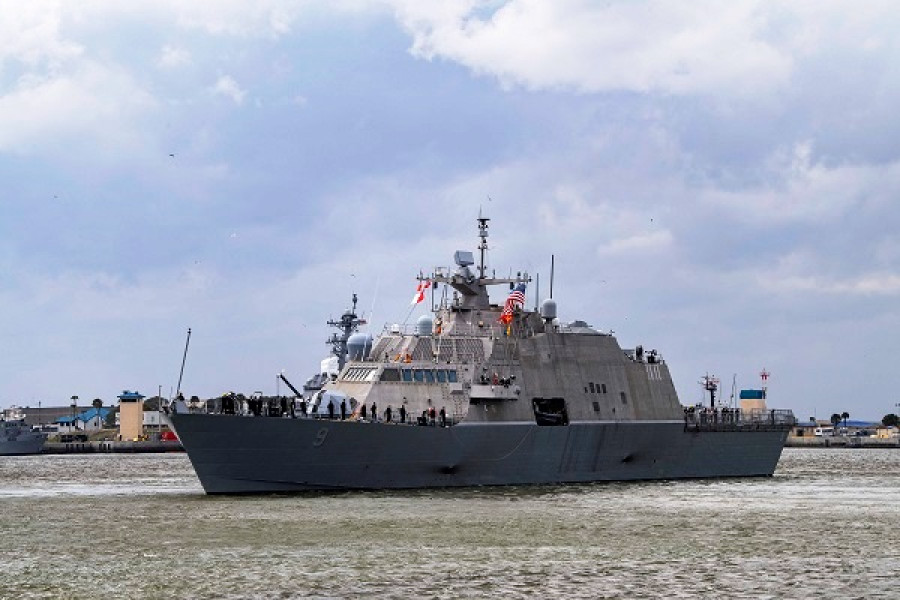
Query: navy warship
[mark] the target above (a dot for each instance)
(16, 437)
(477, 393)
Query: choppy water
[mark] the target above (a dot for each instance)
(91, 526)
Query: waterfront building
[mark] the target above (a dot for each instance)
(753, 400)
(88, 421)
(886, 433)
(131, 415)
(152, 419)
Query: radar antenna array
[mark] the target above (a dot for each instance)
(764, 376)
(482, 247)
(348, 324)
(710, 383)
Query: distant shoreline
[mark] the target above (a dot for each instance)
(840, 441)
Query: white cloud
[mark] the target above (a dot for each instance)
(271, 18)
(238, 18)
(801, 190)
(588, 46)
(652, 242)
(870, 284)
(89, 105)
(30, 34)
(745, 48)
(228, 87)
(171, 57)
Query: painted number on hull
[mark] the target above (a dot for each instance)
(320, 437)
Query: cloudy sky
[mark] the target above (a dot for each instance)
(716, 180)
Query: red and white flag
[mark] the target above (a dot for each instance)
(424, 284)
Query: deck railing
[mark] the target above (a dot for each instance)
(735, 419)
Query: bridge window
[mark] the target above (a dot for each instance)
(390, 375)
(451, 376)
(418, 375)
(441, 375)
(360, 374)
(407, 375)
(429, 376)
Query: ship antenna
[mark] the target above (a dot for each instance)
(482, 233)
(552, 265)
(183, 359)
(374, 296)
(710, 383)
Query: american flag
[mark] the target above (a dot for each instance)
(516, 299)
(424, 284)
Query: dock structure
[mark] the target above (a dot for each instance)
(106, 447)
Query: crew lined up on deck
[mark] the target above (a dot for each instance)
(285, 407)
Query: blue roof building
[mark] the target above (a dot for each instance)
(88, 420)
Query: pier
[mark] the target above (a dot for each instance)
(129, 447)
(841, 441)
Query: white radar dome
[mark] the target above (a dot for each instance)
(359, 345)
(548, 309)
(424, 325)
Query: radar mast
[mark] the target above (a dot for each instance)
(348, 325)
(472, 288)
(483, 234)
(710, 383)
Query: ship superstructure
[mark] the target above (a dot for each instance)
(16, 437)
(481, 393)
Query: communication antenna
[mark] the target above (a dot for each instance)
(764, 375)
(552, 264)
(374, 296)
(733, 389)
(710, 383)
(483, 234)
(183, 359)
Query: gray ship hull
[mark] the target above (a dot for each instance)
(235, 454)
(30, 444)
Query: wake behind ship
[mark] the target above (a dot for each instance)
(477, 394)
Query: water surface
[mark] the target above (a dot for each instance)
(88, 526)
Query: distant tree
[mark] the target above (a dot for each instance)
(890, 420)
(110, 421)
(845, 415)
(152, 403)
(835, 419)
